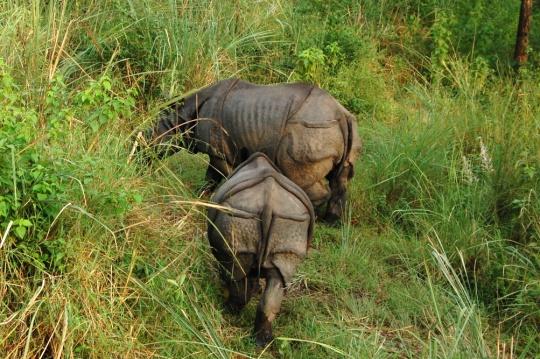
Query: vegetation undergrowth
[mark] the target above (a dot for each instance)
(438, 255)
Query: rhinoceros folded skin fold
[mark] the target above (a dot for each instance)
(310, 137)
(253, 188)
(262, 229)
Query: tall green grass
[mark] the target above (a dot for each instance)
(459, 169)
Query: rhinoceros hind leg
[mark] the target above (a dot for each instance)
(338, 196)
(319, 193)
(240, 292)
(268, 307)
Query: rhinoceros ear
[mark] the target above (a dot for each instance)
(192, 105)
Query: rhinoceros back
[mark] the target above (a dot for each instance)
(255, 116)
(239, 239)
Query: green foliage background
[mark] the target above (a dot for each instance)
(438, 256)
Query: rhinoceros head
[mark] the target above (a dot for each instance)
(172, 131)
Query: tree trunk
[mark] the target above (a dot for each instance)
(522, 39)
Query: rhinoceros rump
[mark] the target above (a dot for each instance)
(309, 136)
(263, 231)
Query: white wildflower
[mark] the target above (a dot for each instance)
(484, 155)
(470, 178)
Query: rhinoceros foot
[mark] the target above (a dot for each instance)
(332, 219)
(262, 339)
(232, 307)
(263, 330)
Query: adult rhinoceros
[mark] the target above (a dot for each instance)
(310, 136)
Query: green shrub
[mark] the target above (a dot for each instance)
(34, 180)
(30, 185)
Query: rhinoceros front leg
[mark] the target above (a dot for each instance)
(268, 307)
(338, 198)
(217, 170)
(212, 179)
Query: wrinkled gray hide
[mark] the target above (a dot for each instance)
(309, 136)
(264, 231)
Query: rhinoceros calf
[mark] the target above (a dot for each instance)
(309, 136)
(263, 231)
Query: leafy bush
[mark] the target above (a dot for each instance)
(99, 105)
(33, 180)
(30, 186)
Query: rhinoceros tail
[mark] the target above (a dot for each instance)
(351, 121)
(346, 126)
(267, 218)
